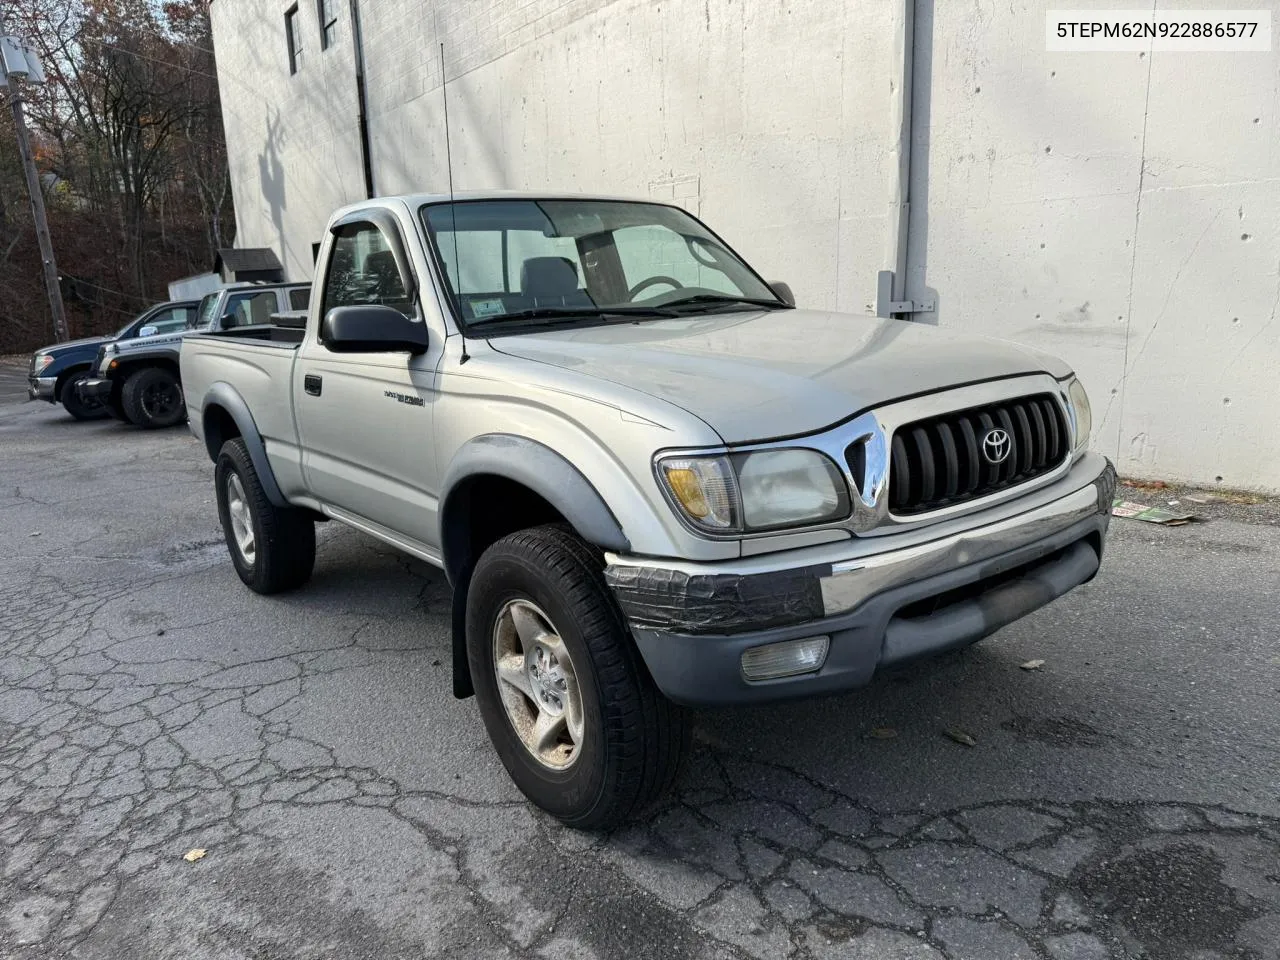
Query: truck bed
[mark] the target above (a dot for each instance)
(275, 334)
(262, 364)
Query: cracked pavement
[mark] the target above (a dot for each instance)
(1122, 801)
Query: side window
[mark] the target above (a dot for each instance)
(362, 270)
(300, 298)
(206, 312)
(293, 37)
(172, 320)
(248, 309)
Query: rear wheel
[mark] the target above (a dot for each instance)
(272, 548)
(152, 398)
(566, 699)
(86, 409)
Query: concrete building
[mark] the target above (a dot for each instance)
(1119, 209)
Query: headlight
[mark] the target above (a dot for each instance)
(762, 490)
(1081, 412)
(109, 348)
(42, 360)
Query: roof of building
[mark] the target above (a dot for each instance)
(246, 259)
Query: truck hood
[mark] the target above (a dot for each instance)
(754, 376)
(57, 349)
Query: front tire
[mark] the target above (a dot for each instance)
(80, 409)
(272, 548)
(152, 398)
(566, 699)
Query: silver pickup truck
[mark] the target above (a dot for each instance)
(650, 480)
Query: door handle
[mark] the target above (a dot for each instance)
(312, 384)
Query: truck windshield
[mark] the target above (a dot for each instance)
(528, 263)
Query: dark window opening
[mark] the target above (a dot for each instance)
(328, 23)
(293, 36)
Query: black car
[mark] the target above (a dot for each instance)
(55, 370)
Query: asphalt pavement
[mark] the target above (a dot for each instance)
(1122, 800)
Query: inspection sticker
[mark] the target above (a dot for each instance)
(1185, 30)
(487, 308)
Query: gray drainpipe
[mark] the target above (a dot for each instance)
(357, 43)
(891, 285)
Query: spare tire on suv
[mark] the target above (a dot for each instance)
(152, 398)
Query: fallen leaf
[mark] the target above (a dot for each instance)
(882, 733)
(1145, 484)
(191, 856)
(1032, 665)
(959, 736)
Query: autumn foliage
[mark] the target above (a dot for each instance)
(128, 137)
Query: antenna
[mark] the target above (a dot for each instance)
(453, 210)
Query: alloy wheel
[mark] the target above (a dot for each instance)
(538, 684)
(241, 519)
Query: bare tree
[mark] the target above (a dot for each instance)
(130, 140)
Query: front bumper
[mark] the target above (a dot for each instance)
(42, 388)
(885, 600)
(94, 388)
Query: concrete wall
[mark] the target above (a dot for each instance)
(1118, 209)
(1121, 210)
(292, 141)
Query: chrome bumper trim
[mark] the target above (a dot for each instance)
(853, 581)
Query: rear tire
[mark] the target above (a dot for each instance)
(152, 398)
(272, 548)
(80, 409)
(625, 749)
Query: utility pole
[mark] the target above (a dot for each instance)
(18, 64)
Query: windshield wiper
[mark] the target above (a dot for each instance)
(570, 314)
(716, 299)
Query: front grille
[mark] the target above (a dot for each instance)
(941, 461)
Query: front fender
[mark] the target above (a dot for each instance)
(546, 473)
(536, 467)
(224, 397)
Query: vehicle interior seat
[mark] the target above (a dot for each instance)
(552, 281)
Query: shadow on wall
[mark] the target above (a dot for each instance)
(271, 177)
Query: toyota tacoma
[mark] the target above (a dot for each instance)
(650, 480)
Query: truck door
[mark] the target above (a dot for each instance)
(365, 419)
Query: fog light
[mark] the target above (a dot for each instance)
(786, 659)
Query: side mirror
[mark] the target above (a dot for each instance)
(228, 321)
(783, 290)
(372, 328)
(150, 330)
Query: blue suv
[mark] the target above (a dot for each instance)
(55, 370)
